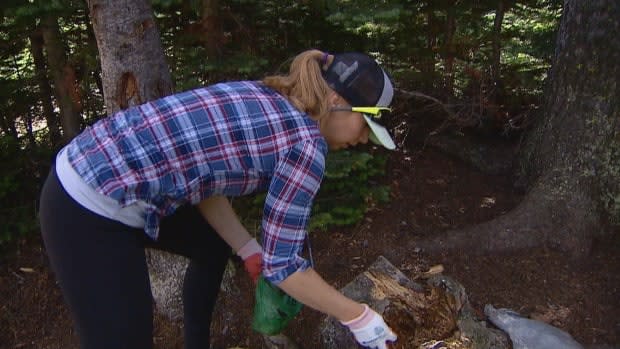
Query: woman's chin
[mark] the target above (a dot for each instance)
(339, 146)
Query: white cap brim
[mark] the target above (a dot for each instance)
(379, 135)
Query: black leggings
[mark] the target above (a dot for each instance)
(101, 268)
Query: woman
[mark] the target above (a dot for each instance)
(158, 175)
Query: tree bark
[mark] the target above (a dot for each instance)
(64, 78)
(571, 158)
(133, 66)
(7, 125)
(426, 63)
(497, 42)
(212, 27)
(449, 50)
(45, 90)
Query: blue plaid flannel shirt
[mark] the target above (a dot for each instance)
(230, 139)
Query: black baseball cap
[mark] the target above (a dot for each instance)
(360, 80)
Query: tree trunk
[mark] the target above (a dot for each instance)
(135, 71)
(571, 158)
(212, 27)
(92, 41)
(64, 78)
(133, 65)
(449, 50)
(7, 126)
(426, 62)
(45, 90)
(497, 42)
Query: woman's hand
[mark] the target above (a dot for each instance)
(370, 330)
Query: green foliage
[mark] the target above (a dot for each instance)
(19, 179)
(255, 37)
(528, 40)
(377, 22)
(412, 39)
(349, 189)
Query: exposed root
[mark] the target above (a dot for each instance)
(541, 219)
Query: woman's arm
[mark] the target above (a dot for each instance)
(368, 327)
(218, 211)
(309, 288)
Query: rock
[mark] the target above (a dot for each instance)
(279, 341)
(423, 316)
(529, 334)
(479, 336)
(167, 272)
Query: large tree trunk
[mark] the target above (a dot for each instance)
(64, 78)
(133, 65)
(571, 158)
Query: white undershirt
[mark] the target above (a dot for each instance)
(131, 215)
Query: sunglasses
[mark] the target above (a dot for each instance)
(379, 115)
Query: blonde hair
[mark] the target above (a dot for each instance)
(304, 86)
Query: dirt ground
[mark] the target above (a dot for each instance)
(431, 193)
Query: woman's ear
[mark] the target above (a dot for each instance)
(333, 98)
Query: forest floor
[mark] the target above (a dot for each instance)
(431, 192)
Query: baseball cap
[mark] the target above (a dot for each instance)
(360, 80)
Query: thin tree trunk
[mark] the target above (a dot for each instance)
(8, 127)
(427, 65)
(449, 51)
(29, 130)
(497, 42)
(45, 90)
(64, 78)
(212, 27)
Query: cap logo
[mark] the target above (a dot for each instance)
(344, 71)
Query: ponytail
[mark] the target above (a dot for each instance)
(304, 86)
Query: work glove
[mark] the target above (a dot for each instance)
(252, 255)
(370, 330)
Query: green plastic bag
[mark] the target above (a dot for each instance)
(273, 309)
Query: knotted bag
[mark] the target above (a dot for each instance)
(273, 309)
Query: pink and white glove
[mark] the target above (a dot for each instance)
(370, 330)
(252, 255)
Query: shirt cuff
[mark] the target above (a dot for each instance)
(281, 274)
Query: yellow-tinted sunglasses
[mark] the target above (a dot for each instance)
(377, 114)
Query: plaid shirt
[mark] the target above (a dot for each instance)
(227, 139)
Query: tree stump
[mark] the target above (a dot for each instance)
(423, 316)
